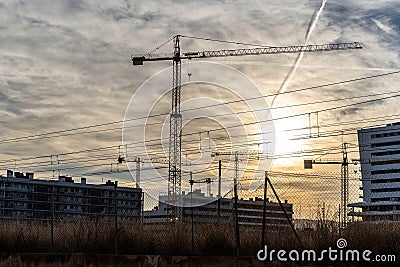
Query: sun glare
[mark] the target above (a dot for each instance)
(286, 149)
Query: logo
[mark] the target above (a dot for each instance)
(341, 243)
(331, 254)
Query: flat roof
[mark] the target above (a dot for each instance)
(377, 128)
(66, 184)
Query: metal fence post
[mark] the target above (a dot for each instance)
(115, 219)
(264, 221)
(237, 233)
(52, 218)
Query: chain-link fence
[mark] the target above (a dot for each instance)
(300, 210)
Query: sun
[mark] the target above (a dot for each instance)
(287, 147)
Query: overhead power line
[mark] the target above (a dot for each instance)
(132, 146)
(65, 131)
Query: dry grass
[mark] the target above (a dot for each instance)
(212, 240)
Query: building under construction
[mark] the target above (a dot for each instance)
(250, 211)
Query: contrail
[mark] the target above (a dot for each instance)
(293, 69)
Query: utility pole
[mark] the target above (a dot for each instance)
(137, 172)
(219, 177)
(191, 181)
(345, 185)
(236, 175)
(219, 190)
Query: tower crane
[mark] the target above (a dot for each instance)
(344, 192)
(139, 160)
(174, 154)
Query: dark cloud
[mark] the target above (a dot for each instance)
(4, 98)
(68, 64)
(16, 85)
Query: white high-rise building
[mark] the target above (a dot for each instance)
(379, 149)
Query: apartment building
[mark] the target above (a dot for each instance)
(24, 198)
(250, 211)
(379, 149)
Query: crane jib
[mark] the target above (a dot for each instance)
(140, 58)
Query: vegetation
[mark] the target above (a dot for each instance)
(210, 240)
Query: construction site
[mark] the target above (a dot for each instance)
(202, 149)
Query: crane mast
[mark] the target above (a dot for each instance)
(175, 133)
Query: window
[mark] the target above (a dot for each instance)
(385, 162)
(386, 171)
(380, 199)
(385, 135)
(392, 143)
(380, 181)
(386, 153)
(378, 190)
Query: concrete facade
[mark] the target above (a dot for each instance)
(24, 198)
(379, 149)
(250, 211)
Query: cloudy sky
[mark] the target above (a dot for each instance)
(66, 65)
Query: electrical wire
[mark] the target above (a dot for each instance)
(114, 147)
(223, 41)
(30, 137)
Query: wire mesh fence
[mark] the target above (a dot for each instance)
(304, 211)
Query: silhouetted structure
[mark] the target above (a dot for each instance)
(25, 198)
